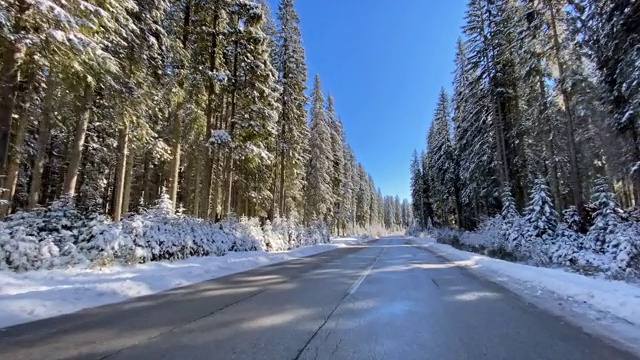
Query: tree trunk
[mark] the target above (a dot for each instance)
(553, 168)
(197, 185)
(9, 86)
(121, 169)
(209, 112)
(274, 189)
(43, 141)
(576, 185)
(174, 170)
(128, 182)
(229, 187)
(16, 151)
(146, 180)
(75, 155)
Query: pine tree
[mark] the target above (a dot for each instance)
(319, 194)
(417, 199)
(540, 214)
(605, 217)
(509, 211)
(338, 176)
(440, 159)
(610, 32)
(429, 218)
(293, 135)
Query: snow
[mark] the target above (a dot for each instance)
(220, 137)
(40, 294)
(608, 307)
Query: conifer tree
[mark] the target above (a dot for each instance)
(293, 134)
(319, 194)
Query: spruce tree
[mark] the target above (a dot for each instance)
(319, 194)
(417, 200)
(293, 134)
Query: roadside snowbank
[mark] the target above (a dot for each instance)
(608, 307)
(40, 294)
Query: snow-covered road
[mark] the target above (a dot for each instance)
(387, 299)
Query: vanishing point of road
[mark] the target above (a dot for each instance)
(386, 299)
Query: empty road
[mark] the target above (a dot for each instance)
(382, 300)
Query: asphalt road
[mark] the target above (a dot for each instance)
(382, 300)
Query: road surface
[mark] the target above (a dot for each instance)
(382, 300)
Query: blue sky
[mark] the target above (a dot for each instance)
(385, 62)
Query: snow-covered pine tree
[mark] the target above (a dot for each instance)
(541, 220)
(338, 176)
(605, 218)
(319, 194)
(440, 159)
(416, 189)
(609, 30)
(397, 212)
(427, 204)
(293, 135)
(256, 116)
(407, 213)
(363, 199)
(473, 140)
(509, 211)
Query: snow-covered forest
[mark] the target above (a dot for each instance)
(124, 119)
(536, 153)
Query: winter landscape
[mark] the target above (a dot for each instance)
(177, 181)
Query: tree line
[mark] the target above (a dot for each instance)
(113, 103)
(543, 89)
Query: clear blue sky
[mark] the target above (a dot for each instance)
(385, 62)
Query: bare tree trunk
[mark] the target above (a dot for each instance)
(43, 141)
(553, 168)
(9, 86)
(146, 180)
(232, 121)
(128, 182)
(274, 190)
(16, 151)
(121, 169)
(576, 185)
(75, 155)
(209, 113)
(13, 166)
(197, 185)
(635, 175)
(174, 170)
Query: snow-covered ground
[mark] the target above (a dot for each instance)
(40, 294)
(604, 307)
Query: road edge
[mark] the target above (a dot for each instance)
(605, 331)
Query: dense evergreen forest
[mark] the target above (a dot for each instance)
(541, 88)
(112, 102)
(544, 118)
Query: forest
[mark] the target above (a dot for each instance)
(537, 148)
(198, 109)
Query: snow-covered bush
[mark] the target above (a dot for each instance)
(446, 236)
(413, 230)
(61, 236)
(40, 238)
(611, 247)
(623, 246)
(488, 235)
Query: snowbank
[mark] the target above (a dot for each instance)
(40, 294)
(609, 304)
